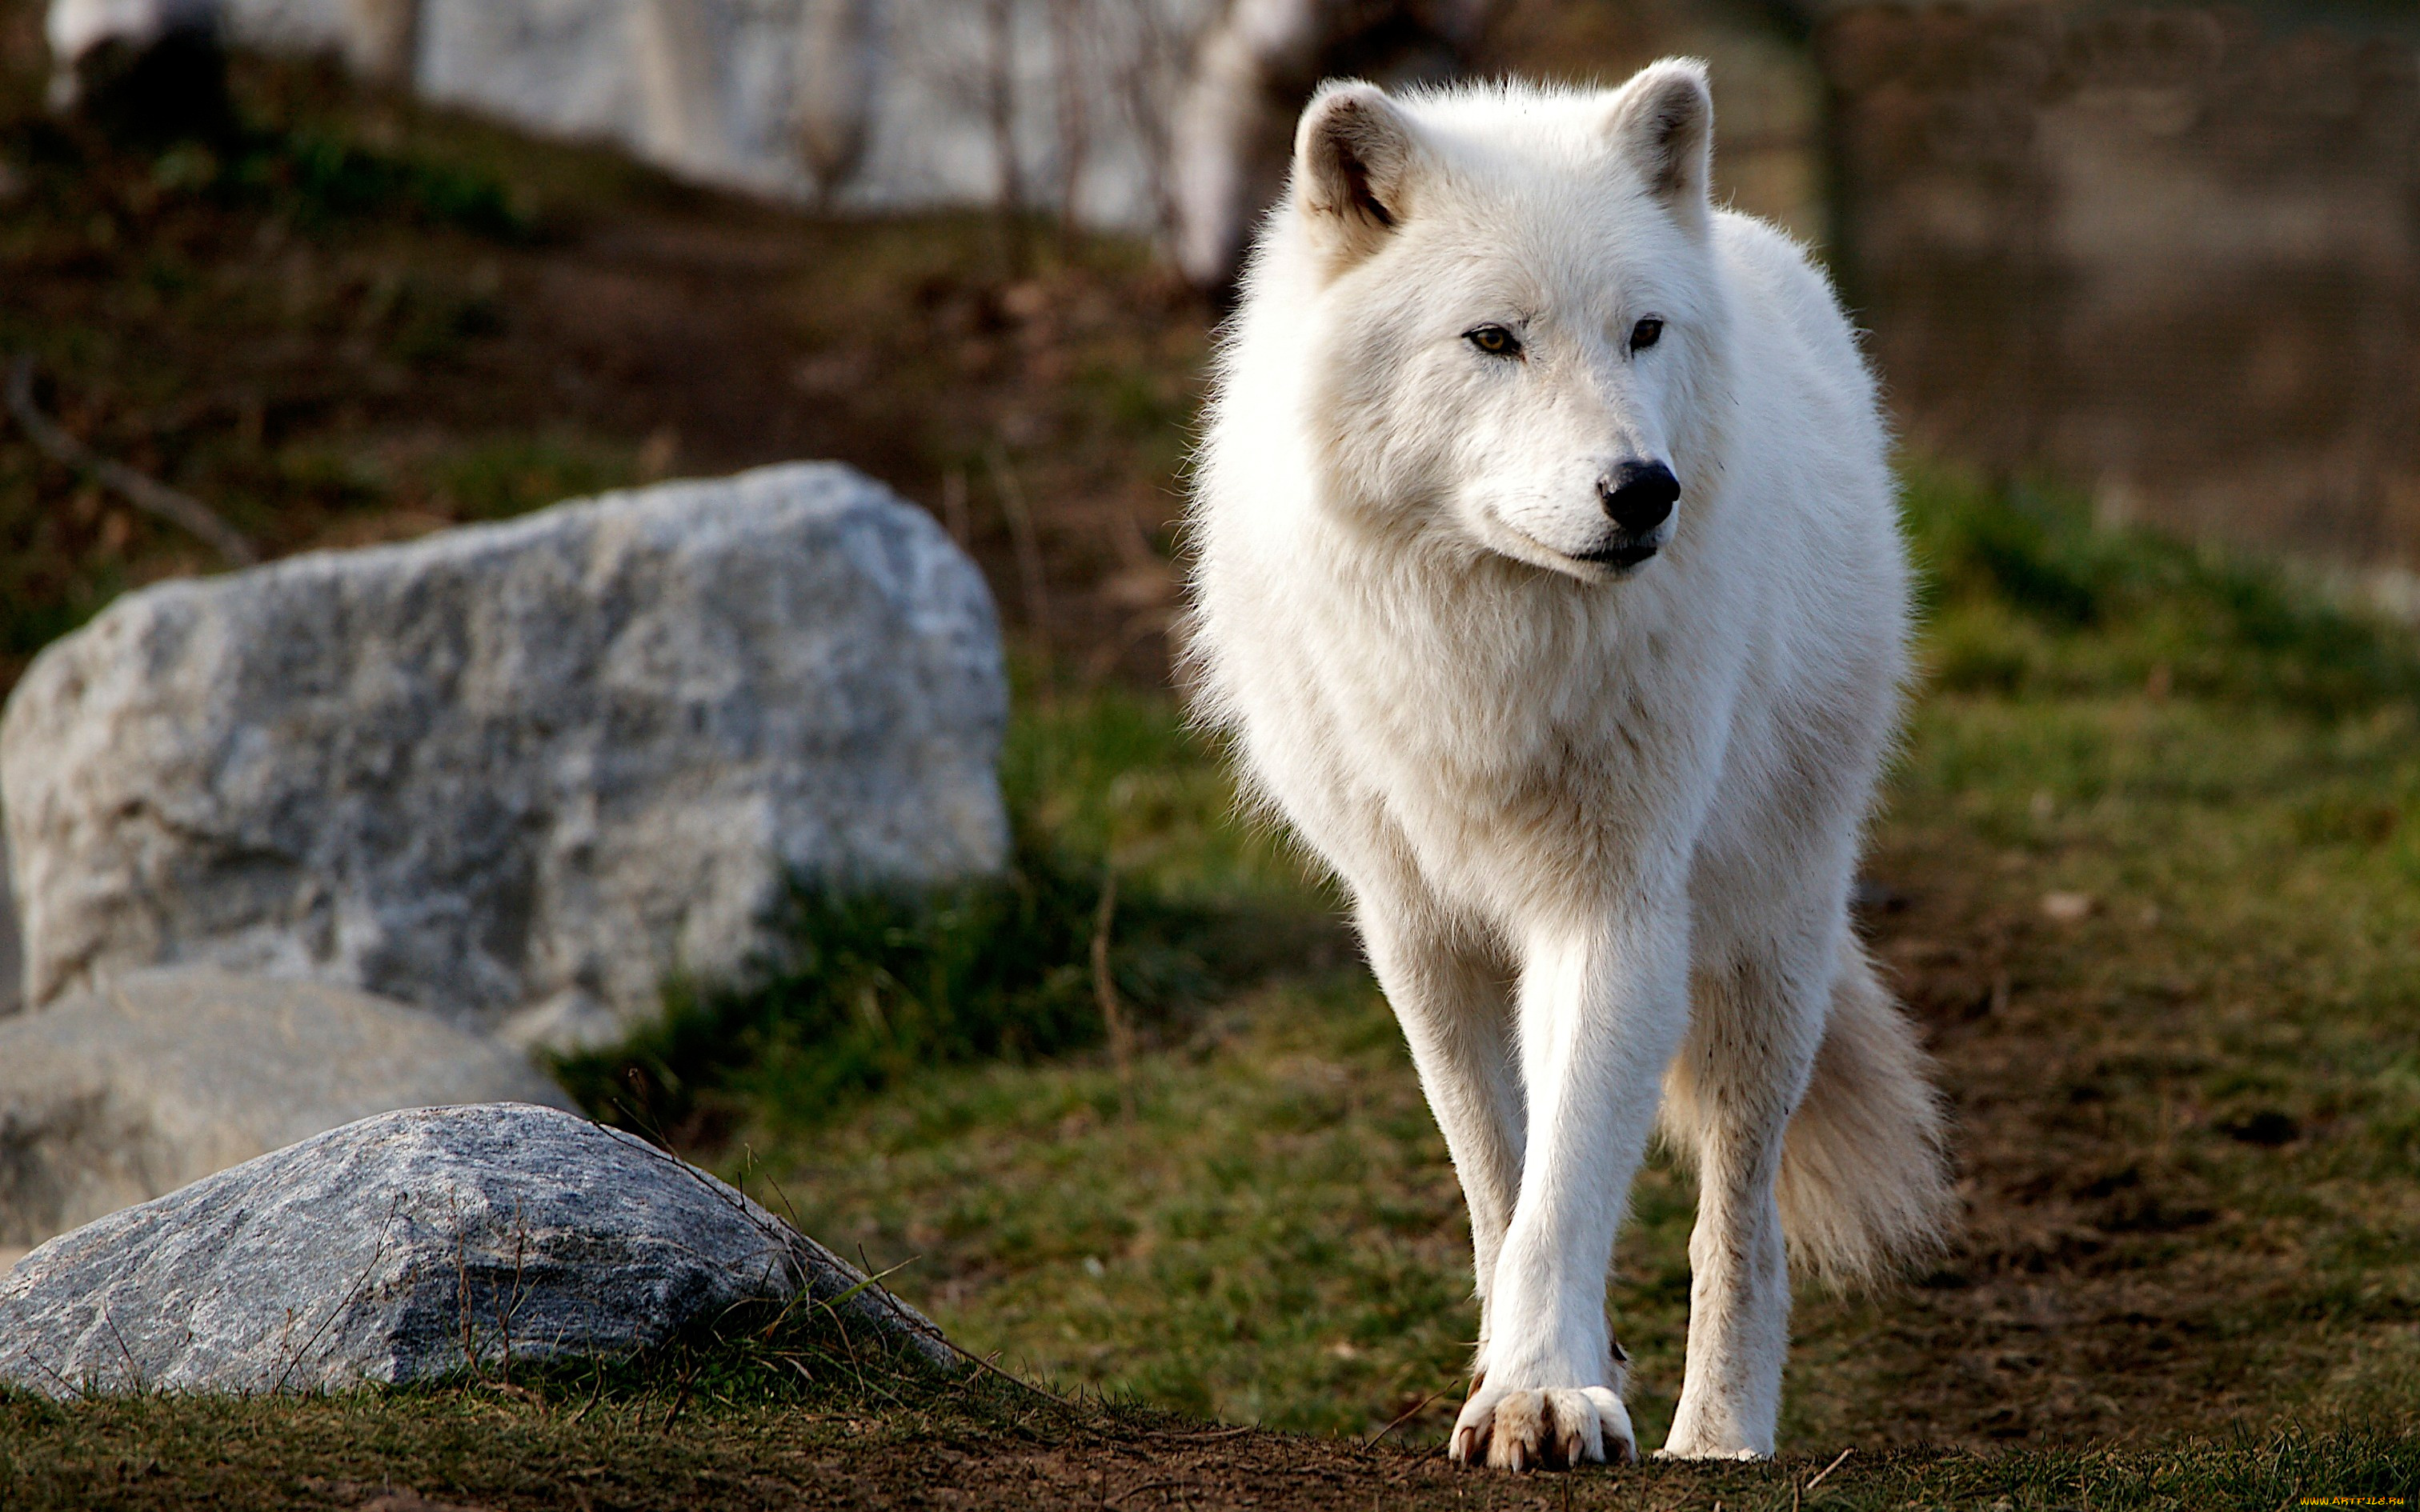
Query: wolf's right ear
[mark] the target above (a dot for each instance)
(1353, 158)
(1663, 120)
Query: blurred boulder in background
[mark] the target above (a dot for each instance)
(126, 1092)
(515, 774)
(406, 1247)
(2172, 253)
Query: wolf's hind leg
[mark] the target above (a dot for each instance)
(1455, 1007)
(1754, 1027)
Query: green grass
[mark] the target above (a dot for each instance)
(2026, 596)
(2191, 1117)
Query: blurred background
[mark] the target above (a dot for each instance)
(2144, 288)
(2168, 257)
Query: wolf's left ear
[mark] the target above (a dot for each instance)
(1353, 157)
(1663, 122)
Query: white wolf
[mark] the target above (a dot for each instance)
(1547, 574)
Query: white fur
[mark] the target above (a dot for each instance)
(1599, 825)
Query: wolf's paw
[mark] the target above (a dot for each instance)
(1668, 1452)
(1701, 1434)
(1552, 1429)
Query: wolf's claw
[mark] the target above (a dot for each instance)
(1552, 1429)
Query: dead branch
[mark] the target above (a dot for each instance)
(1068, 26)
(152, 496)
(999, 104)
(1027, 540)
(1105, 988)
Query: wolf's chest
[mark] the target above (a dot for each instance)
(1457, 758)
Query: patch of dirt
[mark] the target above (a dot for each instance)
(2101, 1283)
(378, 1459)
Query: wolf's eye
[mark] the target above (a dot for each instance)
(1495, 341)
(1645, 334)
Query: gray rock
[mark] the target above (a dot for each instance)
(521, 768)
(116, 1096)
(399, 1248)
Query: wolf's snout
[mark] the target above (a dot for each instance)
(1638, 494)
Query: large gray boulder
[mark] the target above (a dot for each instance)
(519, 771)
(404, 1247)
(121, 1094)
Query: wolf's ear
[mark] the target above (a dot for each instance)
(1663, 123)
(1353, 159)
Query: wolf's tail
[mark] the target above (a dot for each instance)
(1865, 1185)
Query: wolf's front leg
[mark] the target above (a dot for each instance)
(1603, 1004)
(1458, 1019)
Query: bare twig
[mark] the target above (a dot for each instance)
(1413, 1413)
(1138, 628)
(983, 1363)
(150, 494)
(873, 1281)
(595, 1394)
(462, 1295)
(999, 104)
(133, 1371)
(1028, 543)
(1105, 988)
(361, 1285)
(1068, 25)
(680, 1398)
(1147, 74)
(1236, 1431)
(953, 508)
(1817, 1478)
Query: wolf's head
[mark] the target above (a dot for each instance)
(1510, 315)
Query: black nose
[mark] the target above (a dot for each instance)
(1639, 494)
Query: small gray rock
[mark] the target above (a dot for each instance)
(526, 768)
(118, 1095)
(375, 1252)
